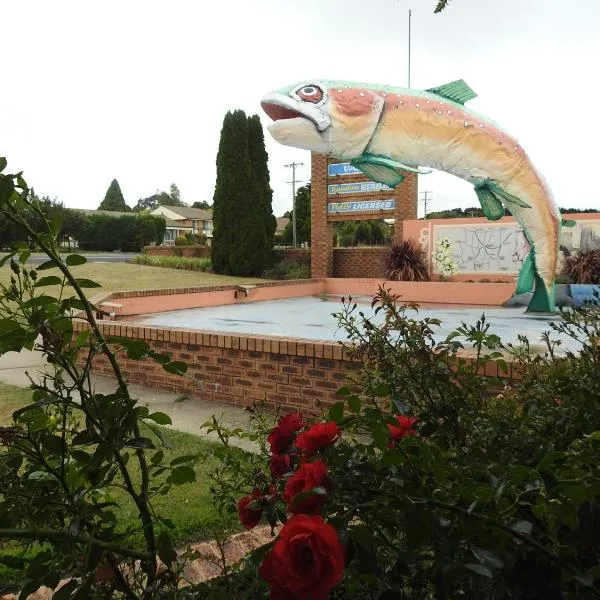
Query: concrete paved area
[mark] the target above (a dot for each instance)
(311, 318)
(187, 414)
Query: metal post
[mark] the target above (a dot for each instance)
(293, 182)
(409, 38)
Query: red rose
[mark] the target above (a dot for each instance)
(282, 436)
(308, 477)
(280, 465)
(250, 517)
(403, 429)
(306, 562)
(319, 436)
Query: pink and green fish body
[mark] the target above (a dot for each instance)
(387, 132)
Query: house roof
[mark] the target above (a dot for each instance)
(282, 223)
(187, 212)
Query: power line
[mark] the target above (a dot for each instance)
(426, 200)
(293, 166)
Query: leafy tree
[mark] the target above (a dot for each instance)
(204, 204)
(302, 218)
(441, 5)
(149, 203)
(369, 232)
(114, 198)
(238, 246)
(262, 188)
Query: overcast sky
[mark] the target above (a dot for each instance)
(137, 89)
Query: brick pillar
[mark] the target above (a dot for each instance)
(407, 198)
(321, 251)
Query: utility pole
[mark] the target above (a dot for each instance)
(409, 36)
(426, 200)
(293, 166)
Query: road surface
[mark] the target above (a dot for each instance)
(113, 257)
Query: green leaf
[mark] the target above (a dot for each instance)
(140, 443)
(183, 459)
(56, 224)
(75, 259)
(157, 457)
(87, 283)
(49, 264)
(160, 418)
(479, 569)
(594, 436)
(24, 257)
(7, 325)
(176, 367)
(182, 474)
(3, 163)
(343, 391)
(336, 412)
(354, 403)
(48, 280)
(166, 553)
(39, 301)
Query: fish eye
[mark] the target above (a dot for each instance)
(310, 93)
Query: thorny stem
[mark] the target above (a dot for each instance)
(141, 499)
(56, 534)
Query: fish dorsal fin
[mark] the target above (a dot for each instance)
(384, 170)
(457, 91)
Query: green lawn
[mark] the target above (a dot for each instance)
(124, 276)
(188, 506)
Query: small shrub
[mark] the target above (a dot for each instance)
(583, 267)
(485, 280)
(288, 269)
(174, 262)
(181, 241)
(406, 262)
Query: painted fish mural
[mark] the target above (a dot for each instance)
(387, 132)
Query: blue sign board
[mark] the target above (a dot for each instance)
(342, 169)
(356, 188)
(366, 206)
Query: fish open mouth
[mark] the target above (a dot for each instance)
(282, 108)
(279, 113)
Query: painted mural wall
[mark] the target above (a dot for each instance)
(484, 247)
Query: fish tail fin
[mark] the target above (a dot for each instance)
(543, 300)
(526, 279)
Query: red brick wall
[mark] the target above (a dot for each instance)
(185, 251)
(360, 262)
(241, 370)
(322, 257)
(238, 370)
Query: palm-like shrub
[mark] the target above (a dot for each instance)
(407, 262)
(583, 267)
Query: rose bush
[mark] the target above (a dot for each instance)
(438, 481)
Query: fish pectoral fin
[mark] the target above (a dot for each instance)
(456, 91)
(491, 206)
(487, 190)
(526, 279)
(380, 169)
(384, 170)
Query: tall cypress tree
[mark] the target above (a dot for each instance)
(238, 235)
(114, 198)
(264, 194)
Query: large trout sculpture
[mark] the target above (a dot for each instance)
(386, 132)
